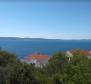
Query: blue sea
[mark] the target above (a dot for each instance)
(25, 47)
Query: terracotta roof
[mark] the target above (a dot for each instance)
(37, 56)
(81, 52)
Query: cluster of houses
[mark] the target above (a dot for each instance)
(39, 60)
(72, 52)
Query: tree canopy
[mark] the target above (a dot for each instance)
(59, 70)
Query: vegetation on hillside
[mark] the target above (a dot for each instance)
(59, 70)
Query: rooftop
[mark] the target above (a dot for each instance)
(37, 56)
(81, 52)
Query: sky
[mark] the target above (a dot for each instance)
(52, 20)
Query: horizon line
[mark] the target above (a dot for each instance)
(46, 38)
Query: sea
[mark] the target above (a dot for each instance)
(25, 47)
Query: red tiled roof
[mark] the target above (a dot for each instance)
(81, 52)
(37, 56)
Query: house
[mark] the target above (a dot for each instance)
(72, 52)
(39, 60)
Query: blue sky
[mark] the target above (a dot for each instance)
(56, 20)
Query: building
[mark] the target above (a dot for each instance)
(39, 60)
(72, 52)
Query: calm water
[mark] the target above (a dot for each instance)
(24, 47)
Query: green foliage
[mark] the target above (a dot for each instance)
(12, 71)
(7, 58)
(59, 70)
(21, 74)
(57, 62)
(62, 71)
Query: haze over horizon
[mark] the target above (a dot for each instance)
(52, 20)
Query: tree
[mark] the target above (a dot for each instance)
(7, 58)
(21, 74)
(57, 62)
(75, 71)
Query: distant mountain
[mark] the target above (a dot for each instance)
(19, 38)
